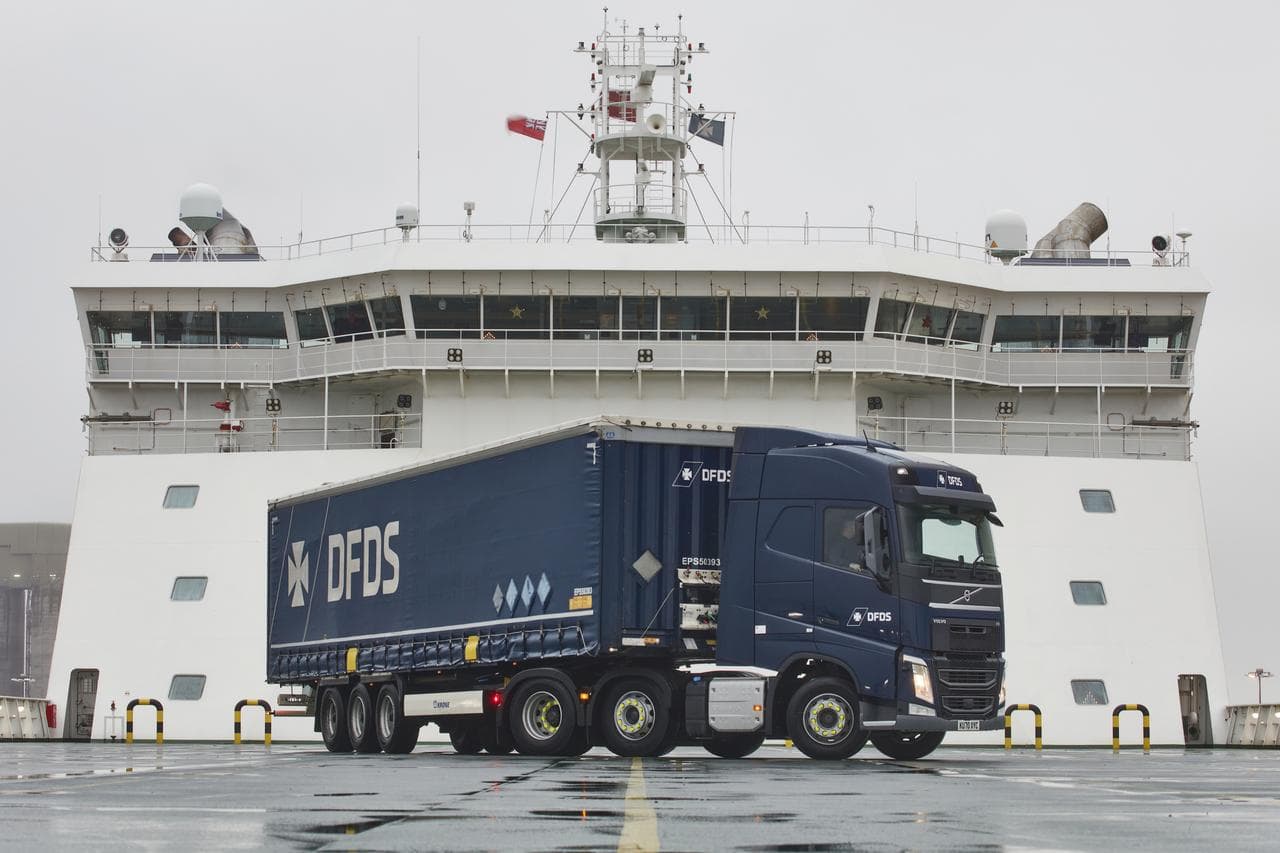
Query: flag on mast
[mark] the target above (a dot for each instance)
(526, 126)
(709, 129)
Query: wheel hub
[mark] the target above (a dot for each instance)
(633, 715)
(828, 718)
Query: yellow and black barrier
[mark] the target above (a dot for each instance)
(128, 718)
(1115, 726)
(1008, 723)
(266, 724)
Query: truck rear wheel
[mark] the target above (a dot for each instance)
(360, 726)
(542, 717)
(635, 721)
(734, 745)
(467, 740)
(396, 735)
(822, 719)
(333, 721)
(907, 746)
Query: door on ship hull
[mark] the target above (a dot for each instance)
(1193, 699)
(81, 699)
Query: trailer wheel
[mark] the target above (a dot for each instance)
(734, 745)
(907, 746)
(360, 725)
(542, 718)
(333, 721)
(822, 719)
(466, 740)
(396, 735)
(634, 721)
(497, 741)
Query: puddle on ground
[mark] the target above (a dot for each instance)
(575, 814)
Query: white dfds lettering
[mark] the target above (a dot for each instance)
(361, 553)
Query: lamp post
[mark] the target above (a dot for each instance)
(1259, 674)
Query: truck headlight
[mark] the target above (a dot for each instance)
(1004, 679)
(921, 685)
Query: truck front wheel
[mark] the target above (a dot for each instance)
(822, 719)
(360, 727)
(396, 736)
(543, 720)
(634, 720)
(734, 745)
(907, 746)
(333, 721)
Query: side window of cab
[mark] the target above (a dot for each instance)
(843, 537)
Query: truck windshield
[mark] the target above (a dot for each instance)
(936, 533)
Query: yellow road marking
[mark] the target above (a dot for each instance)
(639, 823)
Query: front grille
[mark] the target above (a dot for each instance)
(972, 678)
(976, 574)
(969, 705)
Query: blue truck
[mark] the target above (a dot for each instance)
(643, 585)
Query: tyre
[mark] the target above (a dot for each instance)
(634, 721)
(466, 740)
(333, 721)
(496, 741)
(822, 719)
(542, 718)
(396, 735)
(360, 726)
(734, 745)
(907, 746)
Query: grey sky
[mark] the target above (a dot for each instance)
(1160, 113)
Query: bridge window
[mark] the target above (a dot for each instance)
(1159, 334)
(446, 316)
(388, 315)
(180, 497)
(120, 328)
(692, 318)
(311, 327)
(1097, 500)
(252, 329)
(967, 328)
(833, 318)
(1089, 691)
(517, 317)
(891, 317)
(188, 588)
(1088, 592)
(929, 324)
(187, 688)
(639, 318)
(350, 322)
(586, 318)
(188, 328)
(769, 318)
(1098, 333)
(1013, 334)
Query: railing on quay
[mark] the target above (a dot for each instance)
(668, 350)
(698, 232)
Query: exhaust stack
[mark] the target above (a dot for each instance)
(1072, 236)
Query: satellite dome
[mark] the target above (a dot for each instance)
(200, 207)
(1006, 234)
(407, 215)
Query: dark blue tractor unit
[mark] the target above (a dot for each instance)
(640, 587)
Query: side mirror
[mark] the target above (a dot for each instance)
(875, 556)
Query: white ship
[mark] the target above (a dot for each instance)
(222, 373)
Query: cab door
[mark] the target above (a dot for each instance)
(855, 601)
(784, 582)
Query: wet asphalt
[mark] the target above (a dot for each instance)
(221, 797)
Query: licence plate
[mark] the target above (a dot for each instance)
(968, 726)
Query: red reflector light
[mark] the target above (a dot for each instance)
(494, 699)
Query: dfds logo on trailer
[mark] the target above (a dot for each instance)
(692, 472)
(361, 552)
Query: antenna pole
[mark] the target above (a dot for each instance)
(418, 121)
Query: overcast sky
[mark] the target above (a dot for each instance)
(303, 114)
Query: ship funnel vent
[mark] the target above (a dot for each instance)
(1074, 234)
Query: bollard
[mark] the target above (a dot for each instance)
(128, 718)
(1115, 726)
(266, 723)
(1008, 723)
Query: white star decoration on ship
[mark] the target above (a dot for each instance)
(299, 572)
(762, 313)
(517, 312)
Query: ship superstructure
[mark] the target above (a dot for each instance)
(222, 373)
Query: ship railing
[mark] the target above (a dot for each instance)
(1008, 437)
(161, 432)
(713, 350)
(699, 232)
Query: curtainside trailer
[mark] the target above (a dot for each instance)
(639, 586)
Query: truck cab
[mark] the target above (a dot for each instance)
(871, 574)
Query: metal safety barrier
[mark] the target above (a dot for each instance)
(128, 718)
(1253, 725)
(1115, 726)
(23, 719)
(266, 724)
(1008, 723)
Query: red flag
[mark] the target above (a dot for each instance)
(527, 126)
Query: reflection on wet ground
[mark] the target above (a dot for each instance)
(55, 795)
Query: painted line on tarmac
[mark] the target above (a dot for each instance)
(639, 822)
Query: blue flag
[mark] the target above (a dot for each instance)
(709, 129)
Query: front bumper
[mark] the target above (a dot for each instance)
(923, 723)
